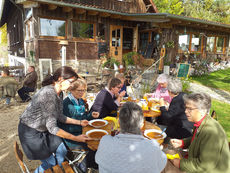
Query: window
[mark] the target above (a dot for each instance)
(156, 38)
(128, 38)
(196, 43)
(184, 40)
(116, 40)
(210, 44)
(219, 44)
(28, 13)
(82, 30)
(143, 42)
(101, 31)
(45, 67)
(51, 27)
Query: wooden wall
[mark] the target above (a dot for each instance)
(79, 50)
(15, 33)
(127, 6)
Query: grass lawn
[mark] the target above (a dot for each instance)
(223, 115)
(219, 79)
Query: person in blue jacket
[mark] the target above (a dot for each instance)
(74, 106)
(121, 76)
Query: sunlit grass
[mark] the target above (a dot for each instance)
(223, 112)
(219, 79)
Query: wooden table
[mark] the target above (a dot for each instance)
(66, 168)
(93, 144)
(148, 113)
(151, 113)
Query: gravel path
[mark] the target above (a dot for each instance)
(214, 93)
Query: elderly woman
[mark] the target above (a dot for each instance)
(75, 107)
(174, 117)
(108, 99)
(208, 147)
(161, 90)
(129, 151)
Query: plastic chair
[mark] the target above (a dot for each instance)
(19, 157)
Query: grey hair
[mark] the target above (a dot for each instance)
(201, 101)
(174, 86)
(131, 118)
(163, 78)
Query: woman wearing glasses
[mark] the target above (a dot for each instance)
(208, 150)
(108, 99)
(75, 107)
(39, 134)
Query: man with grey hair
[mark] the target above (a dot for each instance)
(208, 147)
(129, 151)
(174, 117)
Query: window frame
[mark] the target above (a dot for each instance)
(53, 18)
(215, 42)
(189, 43)
(79, 38)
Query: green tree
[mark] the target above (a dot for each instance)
(213, 10)
(3, 38)
(169, 6)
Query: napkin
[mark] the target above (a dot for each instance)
(173, 156)
(114, 120)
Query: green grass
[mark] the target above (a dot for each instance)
(223, 112)
(219, 79)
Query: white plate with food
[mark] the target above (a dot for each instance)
(97, 123)
(155, 134)
(96, 133)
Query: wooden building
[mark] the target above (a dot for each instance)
(51, 33)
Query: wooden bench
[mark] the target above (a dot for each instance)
(19, 157)
(66, 168)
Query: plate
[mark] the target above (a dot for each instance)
(96, 133)
(97, 123)
(155, 134)
(155, 109)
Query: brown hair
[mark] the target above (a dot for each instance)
(113, 83)
(65, 72)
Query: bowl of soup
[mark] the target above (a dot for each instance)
(155, 134)
(97, 123)
(96, 133)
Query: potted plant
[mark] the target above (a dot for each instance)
(109, 63)
(131, 58)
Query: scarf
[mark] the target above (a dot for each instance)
(79, 107)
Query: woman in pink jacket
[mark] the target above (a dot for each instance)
(162, 91)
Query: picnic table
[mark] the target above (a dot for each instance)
(93, 144)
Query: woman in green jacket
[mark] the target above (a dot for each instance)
(208, 147)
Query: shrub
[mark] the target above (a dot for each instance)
(110, 63)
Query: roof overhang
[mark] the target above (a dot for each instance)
(147, 17)
(156, 18)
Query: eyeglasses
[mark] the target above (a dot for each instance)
(190, 109)
(70, 80)
(119, 87)
(81, 90)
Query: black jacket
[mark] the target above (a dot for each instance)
(175, 119)
(105, 104)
